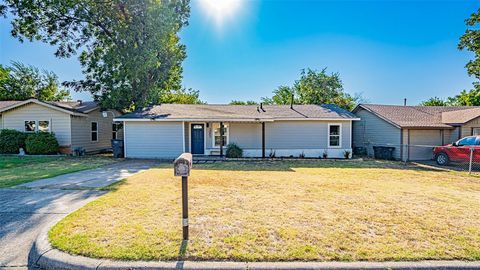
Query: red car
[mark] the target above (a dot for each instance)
(458, 151)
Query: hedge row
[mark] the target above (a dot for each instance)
(40, 143)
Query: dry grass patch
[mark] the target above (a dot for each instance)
(271, 211)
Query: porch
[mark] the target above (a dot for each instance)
(208, 140)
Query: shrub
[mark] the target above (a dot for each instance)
(325, 154)
(234, 151)
(41, 143)
(11, 141)
(346, 154)
(302, 155)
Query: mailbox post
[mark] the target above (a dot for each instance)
(182, 166)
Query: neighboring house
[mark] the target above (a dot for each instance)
(74, 123)
(413, 130)
(167, 130)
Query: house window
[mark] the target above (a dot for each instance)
(44, 126)
(94, 131)
(30, 126)
(475, 131)
(115, 128)
(334, 135)
(217, 139)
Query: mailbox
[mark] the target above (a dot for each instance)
(182, 165)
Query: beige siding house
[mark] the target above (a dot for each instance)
(167, 130)
(413, 130)
(75, 124)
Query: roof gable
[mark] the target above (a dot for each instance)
(69, 107)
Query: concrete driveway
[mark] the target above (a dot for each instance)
(26, 209)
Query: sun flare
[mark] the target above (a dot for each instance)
(221, 10)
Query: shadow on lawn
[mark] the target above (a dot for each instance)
(181, 255)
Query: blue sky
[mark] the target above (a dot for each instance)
(386, 50)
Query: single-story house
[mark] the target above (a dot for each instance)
(413, 130)
(167, 130)
(76, 124)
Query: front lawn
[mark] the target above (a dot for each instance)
(16, 170)
(276, 211)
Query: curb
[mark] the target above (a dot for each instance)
(43, 256)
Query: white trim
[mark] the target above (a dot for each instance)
(339, 135)
(351, 134)
(316, 119)
(213, 137)
(204, 137)
(91, 131)
(259, 120)
(41, 104)
(125, 139)
(183, 135)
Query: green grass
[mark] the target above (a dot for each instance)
(283, 211)
(15, 170)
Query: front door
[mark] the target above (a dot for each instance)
(198, 139)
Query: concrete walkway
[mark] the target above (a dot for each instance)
(27, 209)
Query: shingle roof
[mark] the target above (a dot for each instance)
(423, 116)
(8, 103)
(73, 106)
(460, 116)
(238, 112)
(83, 107)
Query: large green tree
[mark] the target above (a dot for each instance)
(182, 96)
(21, 82)
(315, 87)
(470, 41)
(129, 50)
(434, 101)
(241, 102)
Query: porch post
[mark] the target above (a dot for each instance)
(263, 139)
(221, 139)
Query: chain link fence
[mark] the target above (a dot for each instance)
(459, 158)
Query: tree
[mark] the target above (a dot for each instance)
(240, 102)
(434, 101)
(470, 40)
(315, 88)
(182, 96)
(129, 50)
(21, 82)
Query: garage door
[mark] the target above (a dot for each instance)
(422, 143)
(153, 139)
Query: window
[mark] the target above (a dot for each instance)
(467, 141)
(30, 126)
(114, 130)
(94, 131)
(334, 135)
(44, 126)
(217, 139)
(475, 131)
